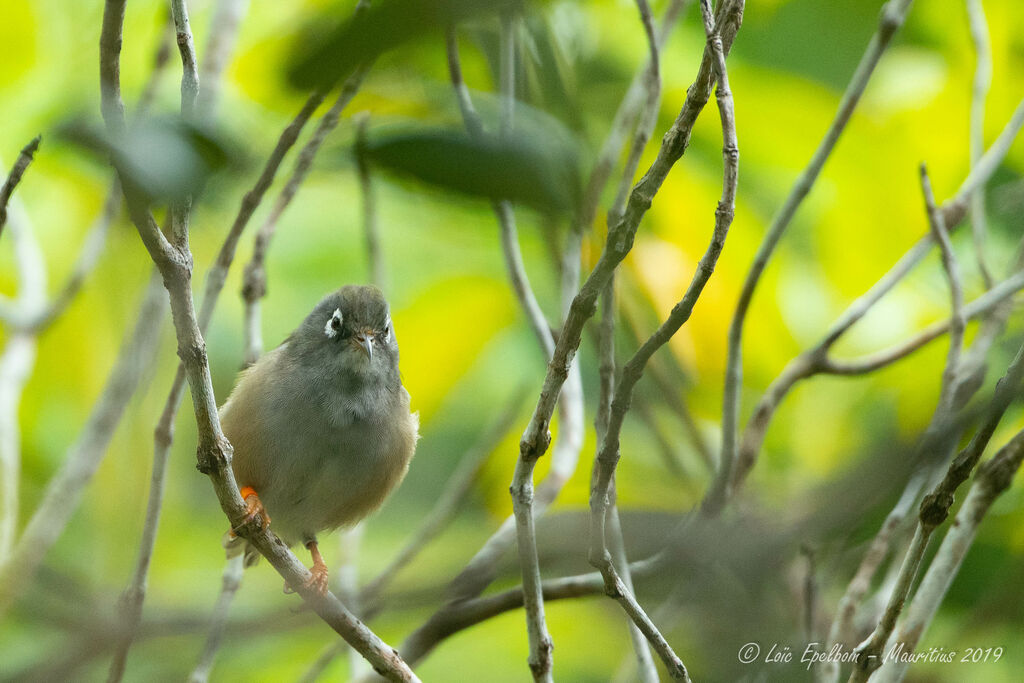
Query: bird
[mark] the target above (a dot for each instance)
(321, 426)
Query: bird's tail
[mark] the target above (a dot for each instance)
(236, 545)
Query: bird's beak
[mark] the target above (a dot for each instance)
(365, 341)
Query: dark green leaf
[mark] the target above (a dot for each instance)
(541, 174)
(319, 62)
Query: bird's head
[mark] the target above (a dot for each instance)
(350, 330)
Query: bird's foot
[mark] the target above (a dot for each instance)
(318, 574)
(253, 510)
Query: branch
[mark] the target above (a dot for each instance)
(608, 455)
(648, 116)
(65, 488)
(541, 645)
(892, 18)
(949, 263)
(14, 177)
(467, 613)
(992, 479)
(979, 91)
(230, 581)
(371, 231)
(459, 486)
(214, 451)
(481, 569)
(536, 437)
(816, 359)
(935, 507)
(503, 210)
(624, 119)
(220, 42)
(255, 277)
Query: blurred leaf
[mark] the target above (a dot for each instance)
(166, 158)
(321, 62)
(524, 168)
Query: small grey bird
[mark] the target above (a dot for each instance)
(321, 425)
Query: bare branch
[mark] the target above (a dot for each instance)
(66, 487)
(14, 177)
(255, 279)
(461, 615)
(949, 263)
(459, 485)
(536, 437)
(816, 359)
(220, 42)
(189, 64)
(992, 479)
(502, 210)
(892, 18)
(935, 507)
(648, 117)
(608, 455)
(230, 581)
(624, 120)
(92, 249)
(979, 91)
(214, 451)
(371, 231)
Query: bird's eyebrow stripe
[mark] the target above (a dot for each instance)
(333, 326)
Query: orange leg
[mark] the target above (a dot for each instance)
(253, 508)
(318, 572)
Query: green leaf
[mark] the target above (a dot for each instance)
(521, 168)
(319, 62)
(165, 158)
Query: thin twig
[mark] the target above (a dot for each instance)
(958, 324)
(979, 91)
(623, 121)
(933, 510)
(536, 437)
(371, 231)
(992, 479)
(230, 581)
(220, 43)
(255, 277)
(14, 177)
(541, 645)
(816, 359)
(130, 607)
(648, 116)
(892, 18)
(66, 487)
(464, 614)
(459, 486)
(608, 455)
(481, 569)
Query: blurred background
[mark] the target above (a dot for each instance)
(468, 354)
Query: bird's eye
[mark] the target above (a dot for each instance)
(333, 327)
(386, 332)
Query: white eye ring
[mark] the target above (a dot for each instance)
(333, 327)
(387, 331)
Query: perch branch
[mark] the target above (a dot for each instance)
(214, 451)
